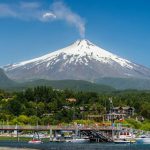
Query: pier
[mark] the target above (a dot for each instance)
(94, 133)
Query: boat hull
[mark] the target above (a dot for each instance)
(124, 141)
(35, 142)
(78, 140)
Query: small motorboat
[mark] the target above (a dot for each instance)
(35, 141)
(143, 139)
(78, 140)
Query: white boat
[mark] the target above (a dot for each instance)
(124, 141)
(143, 139)
(78, 140)
(35, 141)
(126, 135)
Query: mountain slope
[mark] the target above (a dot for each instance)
(125, 83)
(76, 85)
(5, 81)
(8, 84)
(80, 61)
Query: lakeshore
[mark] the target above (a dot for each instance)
(9, 141)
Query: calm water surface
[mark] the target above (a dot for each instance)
(70, 146)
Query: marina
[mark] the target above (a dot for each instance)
(74, 134)
(56, 133)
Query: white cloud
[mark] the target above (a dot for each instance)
(48, 15)
(34, 11)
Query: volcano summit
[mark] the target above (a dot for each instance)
(82, 60)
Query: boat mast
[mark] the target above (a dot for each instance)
(111, 116)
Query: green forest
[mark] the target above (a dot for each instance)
(49, 106)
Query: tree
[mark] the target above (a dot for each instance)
(15, 107)
(145, 110)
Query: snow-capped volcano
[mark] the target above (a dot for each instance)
(82, 60)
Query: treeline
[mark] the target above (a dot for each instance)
(44, 106)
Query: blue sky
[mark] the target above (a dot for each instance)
(32, 28)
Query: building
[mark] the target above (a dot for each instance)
(120, 113)
(127, 111)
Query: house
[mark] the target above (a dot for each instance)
(127, 111)
(120, 113)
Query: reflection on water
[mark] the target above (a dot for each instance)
(71, 146)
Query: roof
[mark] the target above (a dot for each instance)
(124, 108)
(71, 99)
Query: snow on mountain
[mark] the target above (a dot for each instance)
(81, 60)
(77, 50)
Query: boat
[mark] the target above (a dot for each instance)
(126, 135)
(78, 140)
(124, 141)
(35, 141)
(75, 137)
(143, 139)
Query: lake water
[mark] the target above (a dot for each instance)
(71, 146)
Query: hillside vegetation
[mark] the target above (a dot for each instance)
(49, 106)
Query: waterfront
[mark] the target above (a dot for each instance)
(71, 146)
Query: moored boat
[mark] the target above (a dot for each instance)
(78, 140)
(124, 141)
(35, 141)
(143, 139)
